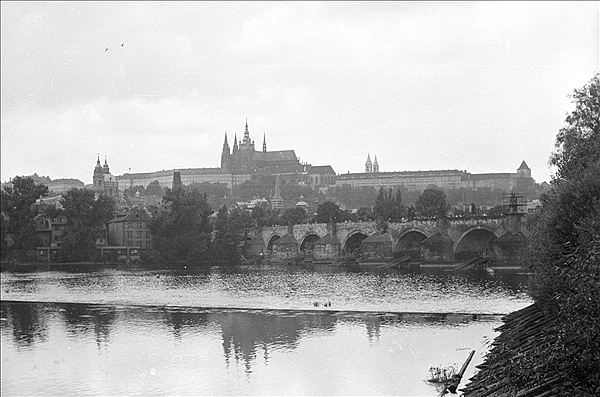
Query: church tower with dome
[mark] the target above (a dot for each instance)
(104, 183)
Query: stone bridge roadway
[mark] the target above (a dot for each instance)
(460, 230)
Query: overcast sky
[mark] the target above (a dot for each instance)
(476, 86)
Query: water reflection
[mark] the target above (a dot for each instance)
(26, 323)
(244, 333)
(117, 350)
(84, 319)
(181, 321)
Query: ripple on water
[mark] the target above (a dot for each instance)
(274, 288)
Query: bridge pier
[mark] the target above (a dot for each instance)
(437, 248)
(441, 240)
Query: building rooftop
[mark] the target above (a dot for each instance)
(320, 169)
(134, 215)
(281, 155)
(524, 166)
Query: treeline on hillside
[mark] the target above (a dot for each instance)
(362, 197)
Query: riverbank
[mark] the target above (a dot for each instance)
(512, 365)
(88, 266)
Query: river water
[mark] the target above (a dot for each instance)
(271, 330)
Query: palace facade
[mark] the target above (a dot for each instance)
(443, 179)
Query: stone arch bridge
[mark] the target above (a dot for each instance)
(442, 239)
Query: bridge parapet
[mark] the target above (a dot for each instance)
(455, 228)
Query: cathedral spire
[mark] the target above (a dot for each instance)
(375, 165)
(246, 133)
(368, 164)
(225, 154)
(235, 143)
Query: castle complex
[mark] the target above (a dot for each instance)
(246, 160)
(239, 164)
(243, 162)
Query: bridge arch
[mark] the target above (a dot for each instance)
(409, 243)
(308, 242)
(352, 242)
(272, 238)
(475, 241)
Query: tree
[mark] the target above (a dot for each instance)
(292, 193)
(565, 255)
(224, 245)
(132, 190)
(18, 205)
(293, 216)
(259, 216)
(182, 231)
(328, 211)
(155, 189)
(218, 190)
(87, 220)
(352, 197)
(389, 207)
(253, 188)
(432, 203)
(215, 192)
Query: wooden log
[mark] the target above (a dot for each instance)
(455, 381)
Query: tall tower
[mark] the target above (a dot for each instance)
(264, 143)
(176, 181)
(246, 142)
(277, 201)
(524, 170)
(225, 154)
(368, 164)
(235, 144)
(98, 177)
(246, 151)
(105, 169)
(375, 165)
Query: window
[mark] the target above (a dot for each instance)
(139, 234)
(129, 234)
(147, 234)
